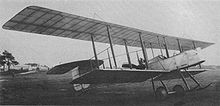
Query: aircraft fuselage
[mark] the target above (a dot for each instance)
(183, 60)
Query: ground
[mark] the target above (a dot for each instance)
(39, 88)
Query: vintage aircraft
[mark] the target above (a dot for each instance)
(45, 21)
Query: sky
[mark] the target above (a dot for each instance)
(192, 19)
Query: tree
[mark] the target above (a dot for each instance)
(2, 61)
(7, 59)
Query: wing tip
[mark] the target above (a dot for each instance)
(208, 44)
(33, 6)
(4, 26)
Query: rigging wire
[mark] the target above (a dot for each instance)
(122, 54)
(101, 52)
(110, 28)
(95, 14)
(116, 55)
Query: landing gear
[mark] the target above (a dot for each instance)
(161, 93)
(198, 87)
(179, 90)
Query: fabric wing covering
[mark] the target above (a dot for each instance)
(130, 76)
(34, 19)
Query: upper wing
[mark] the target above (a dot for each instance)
(45, 21)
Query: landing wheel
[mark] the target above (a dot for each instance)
(179, 90)
(161, 93)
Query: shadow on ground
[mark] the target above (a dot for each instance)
(39, 88)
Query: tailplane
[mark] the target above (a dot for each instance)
(78, 68)
(83, 65)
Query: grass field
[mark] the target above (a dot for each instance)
(39, 88)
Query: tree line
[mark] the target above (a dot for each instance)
(7, 60)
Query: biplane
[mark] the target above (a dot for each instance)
(39, 20)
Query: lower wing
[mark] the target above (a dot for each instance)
(100, 76)
(85, 72)
(175, 74)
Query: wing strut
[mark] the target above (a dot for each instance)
(159, 45)
(144, 51)
(194, 45)
(109, 59)
(180, 49)
(94, 50)
(166, 48)
(137, 57)
(128, 56)
(112, 49)
(152, 50)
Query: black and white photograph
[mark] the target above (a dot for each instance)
(110, 52)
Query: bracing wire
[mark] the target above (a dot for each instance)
(101, 52)
(110, 27)
(122, 54)
(113, 44)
